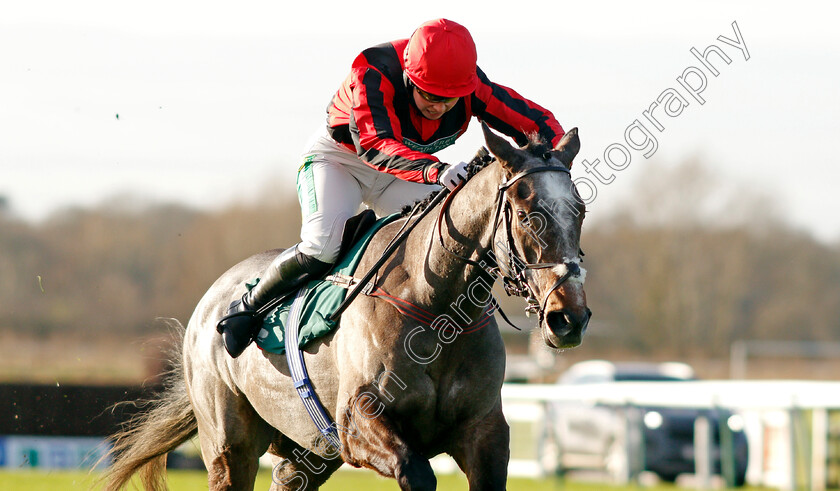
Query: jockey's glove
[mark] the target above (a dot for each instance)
(452, 175)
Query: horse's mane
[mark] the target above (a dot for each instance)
(536, 145)
(480, 161)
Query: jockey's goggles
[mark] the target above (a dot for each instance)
(434, 99)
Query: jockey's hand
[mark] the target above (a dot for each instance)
(452, 175)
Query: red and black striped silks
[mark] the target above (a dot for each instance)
(373, 114)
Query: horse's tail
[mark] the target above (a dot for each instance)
(167, 422)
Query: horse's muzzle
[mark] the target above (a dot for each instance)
(564, 328)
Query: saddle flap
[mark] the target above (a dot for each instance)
(354, 229)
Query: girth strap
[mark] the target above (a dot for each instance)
(297, 369)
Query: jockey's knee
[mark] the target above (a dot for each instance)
(314, 265)
(325, 252)
(321, 236)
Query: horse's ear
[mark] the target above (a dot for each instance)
(500, 147)
(568, 147)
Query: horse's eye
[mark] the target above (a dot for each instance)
(523, 218)
(546, 156)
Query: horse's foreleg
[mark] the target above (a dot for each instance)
(482, 450)
(295, 468)
(369, 439)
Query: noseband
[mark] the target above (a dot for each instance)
(514, 271)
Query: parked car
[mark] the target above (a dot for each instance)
(587, 436)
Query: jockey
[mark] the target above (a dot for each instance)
(401, 102)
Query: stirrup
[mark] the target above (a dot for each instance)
(238, 328)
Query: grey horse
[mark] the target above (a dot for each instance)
(404, 380)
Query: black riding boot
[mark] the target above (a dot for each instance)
(288, 271)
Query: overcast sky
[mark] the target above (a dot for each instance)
(202, 101)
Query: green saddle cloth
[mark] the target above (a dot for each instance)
(321, 301)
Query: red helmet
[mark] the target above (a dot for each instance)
(440, 59)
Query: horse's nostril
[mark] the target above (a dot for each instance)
(563, 322)
(557, 318)
(558, 322)
(563, 329)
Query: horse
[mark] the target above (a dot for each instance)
(399, 390)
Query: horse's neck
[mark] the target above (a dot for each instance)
(467, 230)
(467, 225)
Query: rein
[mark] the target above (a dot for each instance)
(395, 242)
(513, 273)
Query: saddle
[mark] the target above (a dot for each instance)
(322, 297)
(354, 230)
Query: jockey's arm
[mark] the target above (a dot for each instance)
(375, 129)
(505, 110)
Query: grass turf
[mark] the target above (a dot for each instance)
(341, 481)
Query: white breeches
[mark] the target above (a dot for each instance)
(333, 184)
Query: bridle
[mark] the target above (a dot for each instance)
(513, 270)
(513, 273)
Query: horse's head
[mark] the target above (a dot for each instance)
(538, 240)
